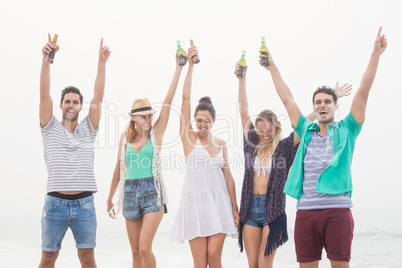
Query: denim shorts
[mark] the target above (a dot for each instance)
(256, 215)
(60, 214)
(140, 197)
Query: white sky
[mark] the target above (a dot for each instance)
(314, 43)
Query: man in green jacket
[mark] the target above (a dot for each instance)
(320, 177)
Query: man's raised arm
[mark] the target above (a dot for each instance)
(99, 89)
(45, 103)
(359, 103)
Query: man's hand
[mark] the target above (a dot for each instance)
(380, 43)
(104, 52)
(344, 90)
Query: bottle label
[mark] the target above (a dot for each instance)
(179, 52)
(242, 63)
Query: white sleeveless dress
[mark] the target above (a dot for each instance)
(205, 207)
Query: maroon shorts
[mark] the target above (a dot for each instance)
(329, 228)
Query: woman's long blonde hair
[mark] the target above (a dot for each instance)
(131, 131)
(268, 116)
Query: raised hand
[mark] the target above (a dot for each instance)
(177, 60)
(192, 51)
(47, 48)
(237, 68)
(104, 52)
(344, 90)
(380, 43)
(270, 60)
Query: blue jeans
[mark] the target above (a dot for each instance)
(140, 197)
(256, 215)
(59, 214)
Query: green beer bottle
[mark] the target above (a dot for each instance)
(180, 57)
(242, 65)
(264, 53)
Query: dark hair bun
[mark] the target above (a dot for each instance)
(205, 99)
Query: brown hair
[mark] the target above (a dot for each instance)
(71, 89)
(268, 116)
(205, 104)
(131, 131)
(326, 90)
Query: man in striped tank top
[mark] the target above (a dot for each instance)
(69, 156)
(320, 177)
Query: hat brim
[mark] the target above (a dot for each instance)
(143, 112)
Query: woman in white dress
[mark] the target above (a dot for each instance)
(208, 210)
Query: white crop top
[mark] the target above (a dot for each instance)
(258, 166)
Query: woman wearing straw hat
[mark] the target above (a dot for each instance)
(138, 176)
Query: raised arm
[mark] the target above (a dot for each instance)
(186, 130)
(99, 89)
(284, 92)
(161, 123)
(243, 102)
(45, 102)
(359, 103)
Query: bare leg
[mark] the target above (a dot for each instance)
(265, 261)
(199, 251)
(133, 231)
(255, 240)
(215, 246)
(252, 243)
(313, 264)
(48, 259)
(150, 225)
(87, 257)
(339, 264)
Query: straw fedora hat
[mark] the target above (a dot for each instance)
(141, 107)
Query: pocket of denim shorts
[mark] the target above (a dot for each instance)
(150, 197)
(87, 205)
(50, 205)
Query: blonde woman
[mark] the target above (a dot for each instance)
(208, 209)
(268, 158)
(139, 177)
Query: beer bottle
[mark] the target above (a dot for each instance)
(50, 55)
(180, 57)
(264, 53)
(195, 59)
(242, 65)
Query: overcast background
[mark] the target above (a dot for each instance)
(313, 43)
